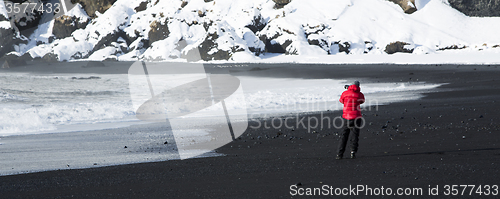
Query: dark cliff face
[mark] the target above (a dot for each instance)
(477, 8)
(6, 41)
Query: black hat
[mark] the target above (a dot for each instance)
(356, 83)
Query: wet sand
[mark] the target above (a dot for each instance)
(450, 137)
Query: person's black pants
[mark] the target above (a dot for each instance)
(350, 127)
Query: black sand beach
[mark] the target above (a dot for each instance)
(450, 137)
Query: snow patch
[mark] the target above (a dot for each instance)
(5, 24)
(3, 10)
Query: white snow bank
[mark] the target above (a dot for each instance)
(3, 10)
(306, 28)
(84, 41)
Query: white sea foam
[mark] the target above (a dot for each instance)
(33, 104)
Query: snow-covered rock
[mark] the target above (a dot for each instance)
(14, 60)
(25, 22)
(159, 31)
(398, 46)
(75, 19)
(128, 30)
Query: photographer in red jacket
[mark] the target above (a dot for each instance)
(351, 99)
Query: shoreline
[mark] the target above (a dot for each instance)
(447, 137)
(121, 67)
(447, 57)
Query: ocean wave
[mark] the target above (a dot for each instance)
(8, 97)
(16, 93)
(28, 119)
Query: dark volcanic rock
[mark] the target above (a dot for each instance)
(93, 6)
(408, 6)
(184, 4)
(6, 64)
(2, 18)
(398, 46)
(141, 6)
(27, 22)
(159, 31)
(207, 46)
(477, 8)
(50, 57)
(12, 60)
(65, 25)
(109, 39)
(281, 3)
(368, 46)
(344, 47)
(258, 23)
(6, 41)
(317, 42)
(274, 47)
(452, 47)
(323, 44)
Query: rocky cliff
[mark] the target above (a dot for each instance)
(225, 30)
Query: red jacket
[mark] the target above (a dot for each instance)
(352, 98)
